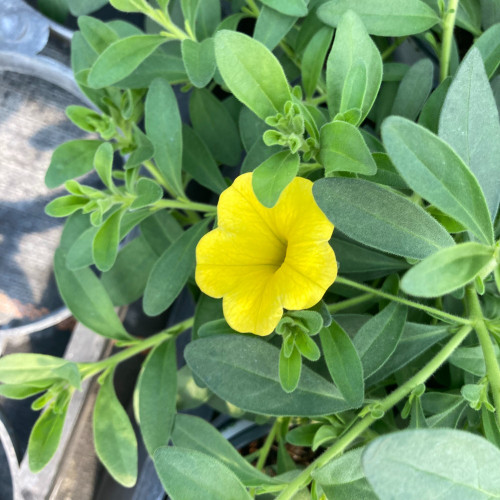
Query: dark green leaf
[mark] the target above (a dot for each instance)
(379, 218)
(78, 8)
(163, 128)
(471, 359)
(160, 230)
(272, 26)
(437, 174)
(114, 437)
(198, 162)
(447, 270)
(197, 434)
(192, 475)
(172, 270)
(251, 127)
(121, 58)
(207, 310)
(469, 124)
(303, 435)
(69, 160)
(343, 363)
(489, 46)
(156, 393)
(244, 371)
(288, 7)
(215, 327)
(346, 61)
(212, 121)
(273, 176)
(414, 90)
(252, 73)
(383, 17)
(343, 149)
(434, 463)
(87, 299)
(143, 151)
(97, 34)
(199, 60)
(378, 338)
(429, 116)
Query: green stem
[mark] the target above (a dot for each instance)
(90, 369)
(389, 50)
(151, 168)
(266, 447)
(253, 9)
(386, 404)
(186, 205)
(448, 27)
(432, 311)
(490, 359)
(339, 306)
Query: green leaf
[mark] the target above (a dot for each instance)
(197, 434)
(383, 17)
(160, 230)
(20, 391)
(414, 90)
(434, 171)
(289, 7)
(208, 18)
(251, 127)
(114, 438)
(257, 155)
(156, 393)
(215, 327)
(78, 8)
(379, 218)
(103, 163)
(198, 162)
(214, 124)
(65, 205)
(313, 59)
(429, 116)
(97, 34)
(290, 368)
(144, 150)
(273, 176)
(252, 73)
(378, 338)
(130, 5)
(433, 463)
(163, 128)
(343, 363)
(148, 193)
(469, 124)
(343, 149)
(199, 60)
(172, 270)
(303, 435)
(447, 270)
(469, 16)
(44, 438)
(471, 359)
(343, 478)
(87, 299)
(489, 46)
(69, 160)
(191, 475)
(415, 340)
(106, 241)
(121, 58)
(207, 310)
(29, 369)
(189, 11)
(272, 26)
(244, 371)
(346, 60)
(127, 279)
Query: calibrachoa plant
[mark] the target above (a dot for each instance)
(375, 348)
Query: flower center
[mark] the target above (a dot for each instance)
(280, 256)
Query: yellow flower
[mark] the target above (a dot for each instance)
(261, 260)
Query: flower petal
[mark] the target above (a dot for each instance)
(309, 269)
(297, 215)
(254, 306)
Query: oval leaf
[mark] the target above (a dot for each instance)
(191, 475)
(446, 464)
(199, 60)
(244, 371)
(447, 270)
(114, 438)
(383, 17)
(252, 73)
(379, 218)
(433, 170)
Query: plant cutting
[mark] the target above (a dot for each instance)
(333, 212)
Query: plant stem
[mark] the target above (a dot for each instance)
(266, 447)
(386, 404)
(448, 27)
(151, 168)
(389, 50)
(429, 310)
(490, 359)
(253, 8)
(186, 205)
(339, 306)
(90, 369)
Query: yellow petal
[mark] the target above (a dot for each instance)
(297, 215)
(309, 269)
(254, 306)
